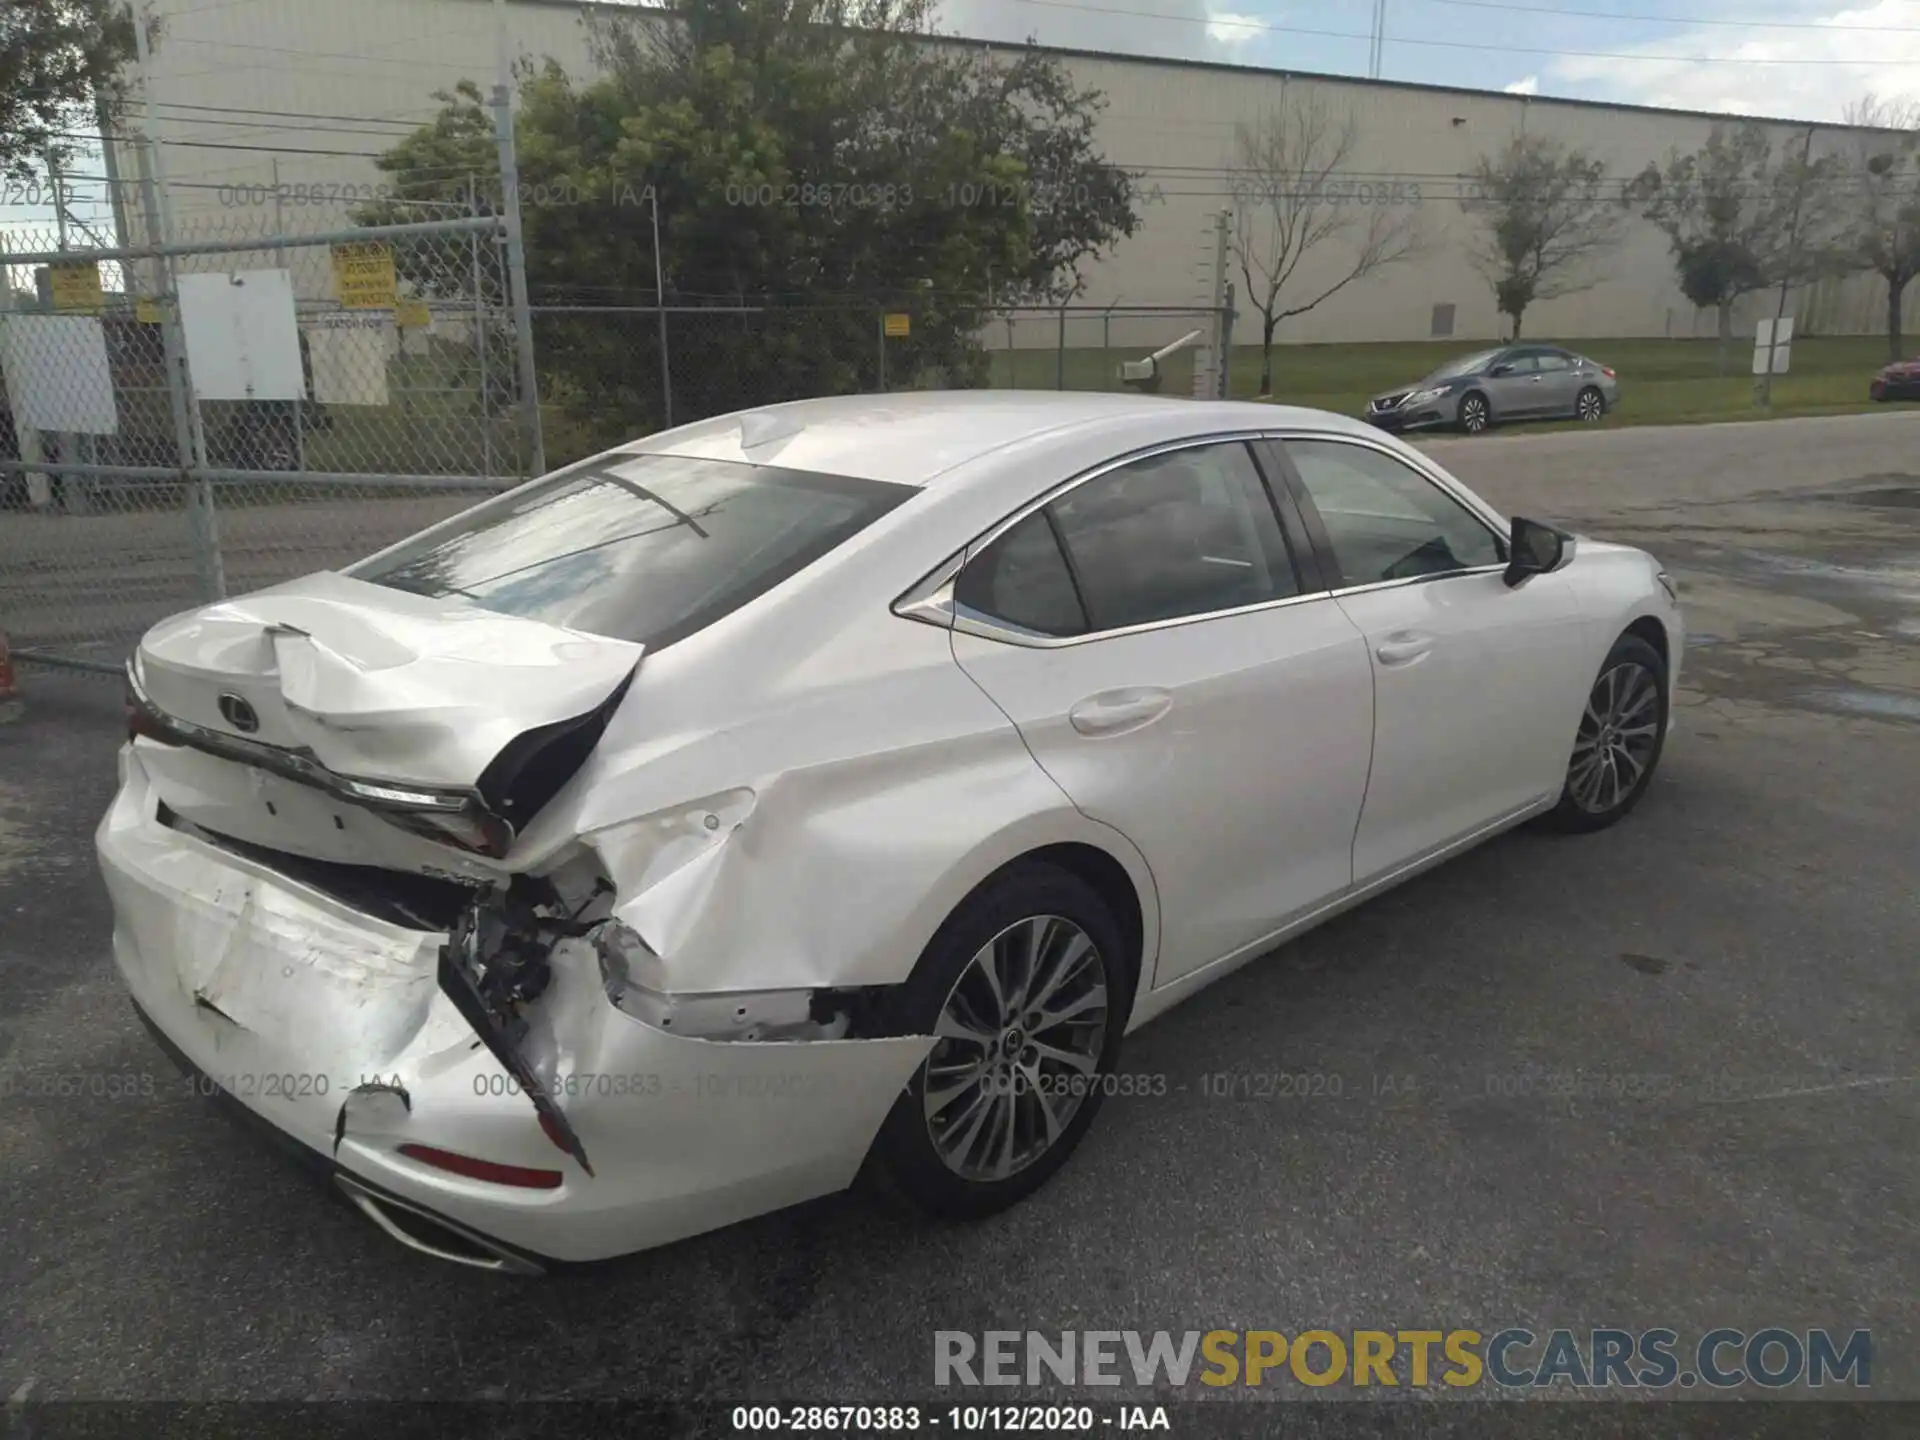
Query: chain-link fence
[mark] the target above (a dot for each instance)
(609, 373)
(235, 409)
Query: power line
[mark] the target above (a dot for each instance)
(296, 114)
(1682, 20)
(1478, 46)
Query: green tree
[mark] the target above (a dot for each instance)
(1882, 202)
(1546, 218)
(61, 68)
(1741, 219)
(814, 158)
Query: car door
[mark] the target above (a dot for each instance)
(1557, 383)
(1151, 636)
(1476, 699)
(1509, 384)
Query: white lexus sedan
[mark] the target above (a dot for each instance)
(828, 788)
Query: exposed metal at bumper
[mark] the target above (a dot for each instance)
(316, 1017)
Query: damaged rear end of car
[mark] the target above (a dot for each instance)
(362, 887)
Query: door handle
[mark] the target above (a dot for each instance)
(1403, 648)
(1114, 712)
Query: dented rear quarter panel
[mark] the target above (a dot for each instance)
(852, 841)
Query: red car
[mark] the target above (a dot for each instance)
(1899, 381)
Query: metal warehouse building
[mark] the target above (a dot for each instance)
(303, 93)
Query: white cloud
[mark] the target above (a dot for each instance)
(1178, 29)
(1869, 48)
(1225, 27)
(1528, 86)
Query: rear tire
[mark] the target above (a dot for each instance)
(1590, 407)
(1033, 943)
(1622, 730)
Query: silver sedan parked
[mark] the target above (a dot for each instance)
(1514, 382)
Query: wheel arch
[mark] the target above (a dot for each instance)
(1107, 878)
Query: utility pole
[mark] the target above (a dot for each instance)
(1763, 396)
(1214, 385)
(1377, 41)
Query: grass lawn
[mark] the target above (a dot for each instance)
(1662, 382)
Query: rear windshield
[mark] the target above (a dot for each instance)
(647, 548)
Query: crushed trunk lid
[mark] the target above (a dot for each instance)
(450, 721)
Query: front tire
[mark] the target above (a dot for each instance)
(1475, 414)
(1590, 408)
(1622, 731)
(1026, 988)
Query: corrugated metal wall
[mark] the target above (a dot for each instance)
(355, 72)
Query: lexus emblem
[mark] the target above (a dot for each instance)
(239, 714)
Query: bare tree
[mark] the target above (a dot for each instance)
(1293, 200)
(1882, 201)
(1740, 219)
(1546, 218)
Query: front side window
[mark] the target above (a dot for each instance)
(649, 548)
(1385, 520)
(1521, 362)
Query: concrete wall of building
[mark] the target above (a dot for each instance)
(297, 79)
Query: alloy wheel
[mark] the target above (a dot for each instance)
(1619, 731)
(1473, 414)
(1018, 1047)
(1592, 407)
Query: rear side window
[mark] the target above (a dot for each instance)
(649, 548)
(1022, 580)
(1189, 532)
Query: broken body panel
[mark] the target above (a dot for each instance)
(657, 982)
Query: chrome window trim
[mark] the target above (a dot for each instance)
(1421, 466)
(931, 600)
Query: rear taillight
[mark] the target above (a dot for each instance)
(1607, 370)
(142, 722)
(520, 1176)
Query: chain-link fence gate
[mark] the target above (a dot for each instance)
(231, 410)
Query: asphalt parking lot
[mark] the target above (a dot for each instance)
(1668, 1075)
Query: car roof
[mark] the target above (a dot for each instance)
(915, 437)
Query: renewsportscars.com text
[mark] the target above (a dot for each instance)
(1772, 1357)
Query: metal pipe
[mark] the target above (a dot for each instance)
(516, 247)
(319, 479)
(453, 225)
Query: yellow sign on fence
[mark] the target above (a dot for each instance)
(413, 315)
(899, 327)
(363, 274)
(76, 288)
(148, 311)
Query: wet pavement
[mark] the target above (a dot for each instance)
(1661, 1076)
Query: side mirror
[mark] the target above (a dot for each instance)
(1500, 370)
(1535, 549)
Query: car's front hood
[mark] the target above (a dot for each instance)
(1388, 398)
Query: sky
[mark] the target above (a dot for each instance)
(1797, 59)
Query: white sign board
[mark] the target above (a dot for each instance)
(1773, 346)
(349, 351)
(57, 372)
(243, 340)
